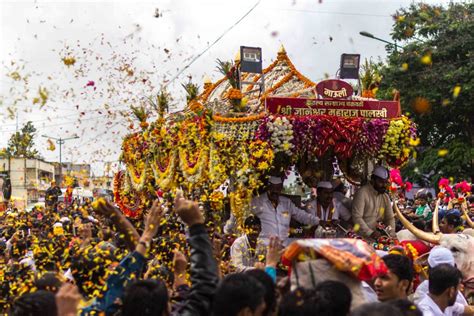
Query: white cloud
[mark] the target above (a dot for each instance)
(36, 32)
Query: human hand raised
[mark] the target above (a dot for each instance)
(104, 207)
(273, 252)
(67, 300)
(187, 210)
(152, 220)
(179, 263)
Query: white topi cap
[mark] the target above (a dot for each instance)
(380, 172)
(275, 180)
(325, 185)
(439, 255)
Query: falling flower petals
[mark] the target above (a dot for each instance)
(442, 152)
(456, 91)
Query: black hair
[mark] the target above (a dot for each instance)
(145, 297)
(161, 272)
(48, 282)
(334, 298)
(376, 309)
(251, 221)
(89, 268)
(401, 266)
(422, 196)
(18, 249)
(236, 292)
(270, 291)
(37, 303)
(340, 187)
(453, 219)
(406, 307)
(420, 224)
(299, 302)
(328, 298)
(442, 277)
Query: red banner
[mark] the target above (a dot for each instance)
(333, 107)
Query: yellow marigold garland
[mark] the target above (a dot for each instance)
(164, 179)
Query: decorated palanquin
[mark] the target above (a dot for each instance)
(236, 135)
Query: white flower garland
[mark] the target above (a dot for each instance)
(281, 135)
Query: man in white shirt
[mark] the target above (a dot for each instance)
(438, 255)
(247, 250)
(325, 206)
(443, 289)
(340, 191)
(275, 212)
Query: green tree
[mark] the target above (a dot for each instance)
(434, 73)
(21, 143)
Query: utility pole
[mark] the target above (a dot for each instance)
(372, 36)
(60, 141)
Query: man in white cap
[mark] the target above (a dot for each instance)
(326, 207)
(438, 255)
(372, 204)
(275, 212)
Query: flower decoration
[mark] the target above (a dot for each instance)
(128, 201)
(193, 149)
(69, 60)
(281, 132)
(396, 147)
(216, 199)
(445, 189)
(463, 187)
(397, 182)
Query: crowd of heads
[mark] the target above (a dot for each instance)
(43, 250)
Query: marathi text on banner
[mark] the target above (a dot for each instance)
(343, 108)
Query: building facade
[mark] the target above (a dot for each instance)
(30, 178)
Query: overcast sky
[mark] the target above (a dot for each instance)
(124, 50)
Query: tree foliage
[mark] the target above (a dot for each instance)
(21, 143)
(434, 73)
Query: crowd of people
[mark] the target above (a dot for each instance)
(87, 258)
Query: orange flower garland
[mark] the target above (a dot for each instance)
(234, 94)
(242, 119)
(122, 200)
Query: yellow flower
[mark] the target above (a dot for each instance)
(258, 153)
(426, 59)
(68, 61)
(414, 142)
(263, 165)
(442, 152)
(456, 91)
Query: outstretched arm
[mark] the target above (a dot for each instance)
(302, 216)
(123, 225)
(204, 273)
